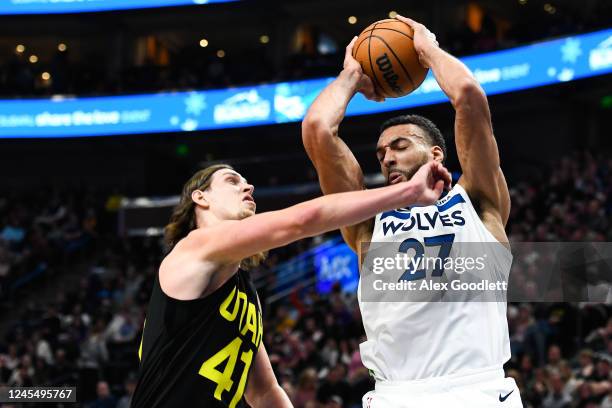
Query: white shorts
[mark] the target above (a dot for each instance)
(487, 388)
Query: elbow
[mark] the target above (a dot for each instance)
(314, 128)
(469, 93)
(312, 124)
(265, 396)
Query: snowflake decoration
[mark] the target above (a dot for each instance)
(195, 104)
(571, 50)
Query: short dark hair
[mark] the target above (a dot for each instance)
(431, 130)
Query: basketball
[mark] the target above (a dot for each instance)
(386, 53)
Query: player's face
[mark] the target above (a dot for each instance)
(230, 196)
(401, 150)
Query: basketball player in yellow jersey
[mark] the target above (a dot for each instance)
(202, 342)
(426, 354)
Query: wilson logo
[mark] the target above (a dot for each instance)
(384, 64)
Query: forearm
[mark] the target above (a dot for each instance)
(455, 79)
(329, 108)
(275, 397)
(331, 212)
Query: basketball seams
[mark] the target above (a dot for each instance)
(370, 59)
(356, 50)
(391, 29)
(398, 60)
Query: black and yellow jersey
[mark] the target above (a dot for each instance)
(198, 353)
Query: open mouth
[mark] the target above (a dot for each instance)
(395, 177)
(249, 199)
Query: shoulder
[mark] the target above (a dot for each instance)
(200, 241)
(487, 212)
(471, 197)
(183, 274)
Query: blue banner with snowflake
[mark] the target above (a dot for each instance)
(81, 6)
(546, 63)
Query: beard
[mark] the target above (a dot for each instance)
(407, 173)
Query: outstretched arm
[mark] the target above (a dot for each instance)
(336, 165)
(231, 241)
(476, 146)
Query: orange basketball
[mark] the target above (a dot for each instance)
(386, 53)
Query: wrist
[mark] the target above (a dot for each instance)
(410, 192)
(349, 79)
(429, 55)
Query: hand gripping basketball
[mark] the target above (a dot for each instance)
(424, 40)
(364, 84)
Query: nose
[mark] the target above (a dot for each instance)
(389, 158)
(249, 188)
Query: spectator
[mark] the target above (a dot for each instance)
(586, 369)
(63, 372)
(586, 399)
(105, 398)
(556, 397)
(306, 391)
(94, 353)
(335, 384)
(123, 328)
(130, 386)
(554, 358)
(43, 348)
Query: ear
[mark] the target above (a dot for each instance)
(437, 153)
(199, 198)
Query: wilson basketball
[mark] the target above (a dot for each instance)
(386, 53)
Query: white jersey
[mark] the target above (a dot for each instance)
(410, 340)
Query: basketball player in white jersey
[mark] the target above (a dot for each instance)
(426, 354)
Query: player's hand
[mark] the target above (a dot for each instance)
(364, 83)
(429, 182)
(424, 40)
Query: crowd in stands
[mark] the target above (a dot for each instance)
(96, 72)
(87, 334)
(39, 233)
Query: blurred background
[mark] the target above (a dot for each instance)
(105, 113)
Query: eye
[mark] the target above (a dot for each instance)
(233, 180)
